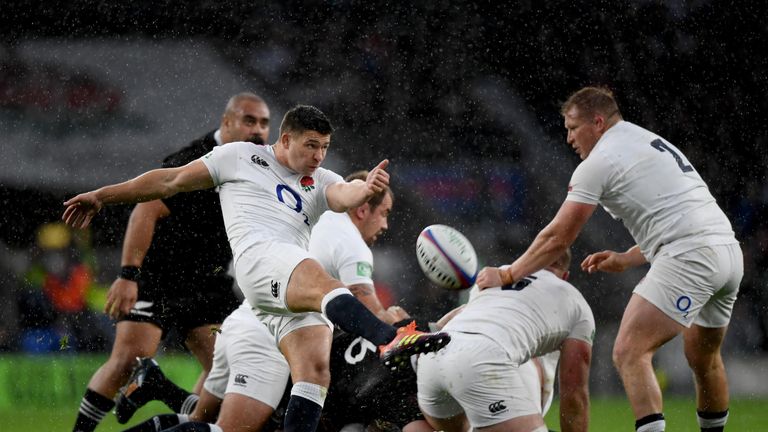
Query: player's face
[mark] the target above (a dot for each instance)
(375, 223)
(249, 121)
(583, 132)
(306, 151)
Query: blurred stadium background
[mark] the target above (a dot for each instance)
(462, 97)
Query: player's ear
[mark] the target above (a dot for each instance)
(566, 275)
(362, 211)
(285, 140)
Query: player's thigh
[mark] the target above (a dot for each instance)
(308, 351)
(264, 272)
(643, 329)
(702, 343)
(308, 285)
(135, 339)
(200, 341)
(240, 413)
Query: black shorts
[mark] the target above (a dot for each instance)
(185, 304)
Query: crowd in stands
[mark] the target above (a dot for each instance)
(401, 83)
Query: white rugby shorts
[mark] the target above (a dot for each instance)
(475, 375)
(695, 287)
(246, 361)
(262, 273)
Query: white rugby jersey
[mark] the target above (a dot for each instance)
(339, 247)
(648, 184)
(262, 200)
(529, 320)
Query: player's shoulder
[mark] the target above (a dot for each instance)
(554, 284)
(191, 151)
(327, 176)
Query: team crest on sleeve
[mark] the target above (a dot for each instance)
(364, 269)
(307, 183)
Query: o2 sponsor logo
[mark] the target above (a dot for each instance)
(291, 199)
(683, 304)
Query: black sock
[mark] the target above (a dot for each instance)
(301, 415)
(176, 397)
(93, 408)
(346, 311)
(156, 424)
(651, 422)
(712, 421)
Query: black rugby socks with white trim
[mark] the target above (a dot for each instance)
(712, 421)
(93, 408)
(651, 423)
(346, 311)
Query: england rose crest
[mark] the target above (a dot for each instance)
(307, 183)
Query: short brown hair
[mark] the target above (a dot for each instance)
(377, 198)
(303, 118)
(590, 101)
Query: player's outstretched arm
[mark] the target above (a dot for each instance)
(575, 360)
(548, 245)
(343, 196)
(159, 183)
(613, 262)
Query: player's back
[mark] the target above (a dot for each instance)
(649, 184)
(528, 319)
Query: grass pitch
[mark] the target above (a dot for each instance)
(606, 414)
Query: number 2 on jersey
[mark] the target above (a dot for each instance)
(662, 147)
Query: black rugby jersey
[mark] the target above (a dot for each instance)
(191, 242)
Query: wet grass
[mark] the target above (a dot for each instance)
(607, 415)
(614, 414)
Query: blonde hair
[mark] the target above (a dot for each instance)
(590, 101)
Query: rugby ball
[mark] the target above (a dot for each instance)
(446, 257)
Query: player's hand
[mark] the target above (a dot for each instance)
(397, 313)
(489, 277)
(606, 261)
(81, 209)
(121, 298)
(378, 178)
